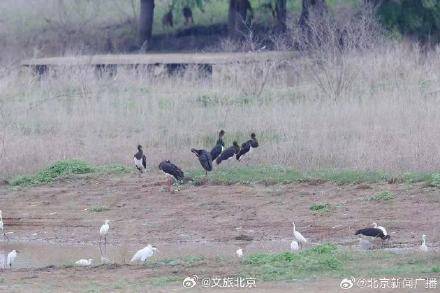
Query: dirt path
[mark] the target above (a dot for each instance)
(207, 220)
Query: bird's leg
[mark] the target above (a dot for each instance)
(206, 173)
(170, 184)
(6, 236)
(105, 244)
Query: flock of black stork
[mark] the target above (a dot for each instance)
(220, 154)
(206, 159)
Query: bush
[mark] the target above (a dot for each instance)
(57, 170)
(383, 196)
(435, 179)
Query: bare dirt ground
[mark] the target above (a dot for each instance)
(206, 220)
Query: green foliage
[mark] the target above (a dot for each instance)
(249, 175)
(276, 175)
(165, 280)
(99, 209)
(186, 261)
(320, 208)
(435, 179)
(348, 176)
(383, 196)
(323, 259)
(65, 168)
(57, 170)
(420, 18)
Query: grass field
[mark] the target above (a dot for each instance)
(346, 138)
(384, 120)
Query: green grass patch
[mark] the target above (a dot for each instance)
(435, 179)
(327, 260)
(383, 196)
(320, 208)
(320, 260)
(249, 175)
(186, 261)
(99, 209)
(63, 169)
(165, 280)
(280, 175)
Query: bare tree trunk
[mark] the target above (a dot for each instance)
(312, 17)
(309, 7)
(146, 16)
(280, 10)
(238, 17)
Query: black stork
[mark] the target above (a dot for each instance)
(172, 172)
(204, 159)
(228, 153)
(219, 146)
(140, 160)
(247, 146)
(373, 232)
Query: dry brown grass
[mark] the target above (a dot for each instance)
(387, 119)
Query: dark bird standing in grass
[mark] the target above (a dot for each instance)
(172, 172)
(228, 153)
(372, 232)
(140, 160)
(219, 146)
(204, 159)
(247, 146)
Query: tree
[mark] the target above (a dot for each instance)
(238, 17)
(146, 16)
(280, 13)
(420, 19)
(317, 8)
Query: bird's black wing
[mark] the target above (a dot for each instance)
(171, 169)
(216, 151)
(245, 147)
(206, 160)
(144, 161)
(227, 153)
(372, 232)
(138, 155)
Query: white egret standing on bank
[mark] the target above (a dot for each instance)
(103, 233)
(239, 252)
(144, 254)
(423, 247)
(11, 258)
(298, 236)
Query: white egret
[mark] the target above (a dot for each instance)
(103, 233)
(2, 227)
(298, 236)
(84, 262)
(294, 246)
(423, 247)
(239, 252)
(143, 254)
(11, 258)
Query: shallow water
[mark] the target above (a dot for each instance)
(37, 255)
(41, 254)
